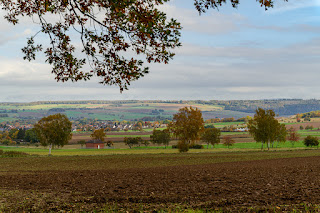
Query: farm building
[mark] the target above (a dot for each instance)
(94, 144)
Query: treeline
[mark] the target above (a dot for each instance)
(104, 102)
(15, 136)
(312, 114)
(220, 120)
(9, 111)
(281, 107)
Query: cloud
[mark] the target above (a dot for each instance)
(211, 23)
(244, 68)
(196, 73)
(302, 28)
(9, 32)
(283, 6)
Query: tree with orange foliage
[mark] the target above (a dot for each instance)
(293, 136)
(228, 141)
(98, 134)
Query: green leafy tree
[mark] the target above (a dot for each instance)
(264, 127)
(211, 136)
(31, 136)
(187, 125)
(281, 134)
(21, 134)
(132, 141)
(160, 137)
(119, 26)
(311, 141)
(54, 130)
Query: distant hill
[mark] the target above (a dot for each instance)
(151, 110)
(282, 107)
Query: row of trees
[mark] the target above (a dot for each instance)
(267, 130)
(17, 135)
(188, 127)
(135, 141)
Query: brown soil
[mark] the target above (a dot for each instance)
(227, 186)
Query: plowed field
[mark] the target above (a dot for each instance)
(277, 184)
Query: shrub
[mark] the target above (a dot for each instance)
(311, 141)
(309, 127)
(13, 154)
(301, 127)
(109, 143)
(183, 147)
(196, 146)
(145, 142)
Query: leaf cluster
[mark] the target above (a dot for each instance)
(203, 5)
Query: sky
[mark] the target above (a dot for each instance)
(226, 54)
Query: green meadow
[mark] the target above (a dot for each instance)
(71, 151)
